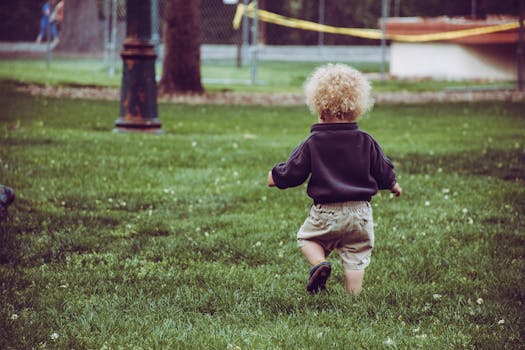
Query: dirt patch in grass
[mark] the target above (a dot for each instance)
(275, 99)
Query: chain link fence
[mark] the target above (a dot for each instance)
(218, 37)
(254, 42)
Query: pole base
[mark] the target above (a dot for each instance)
(152, 126)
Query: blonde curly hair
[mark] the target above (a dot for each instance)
(338, 91)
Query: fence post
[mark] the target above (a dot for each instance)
(245, 33)
(114, 21)
(521, 48)
(155, 25)
(48, 42)
(106, 31)
(254, 45)
(320, 38)
(384, 14)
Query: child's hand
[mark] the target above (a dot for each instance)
(396, 189)
(270, 179)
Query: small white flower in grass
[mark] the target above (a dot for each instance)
(479, 301)
(436, 296)
(501, 322)
(194, 144)
(464, 210)
(445, 190)
(14, 317)
(54, 336)
(235, 173)
(388, 341)
(235, 145)
(470, 221)
(258, 244)
(427, 203)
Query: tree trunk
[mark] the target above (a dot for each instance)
(181, 64)
(81, 28)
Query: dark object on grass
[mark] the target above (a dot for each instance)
(7, 196)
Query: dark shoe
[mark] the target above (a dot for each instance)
(318, 276)
(7, 196)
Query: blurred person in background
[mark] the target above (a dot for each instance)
(48, 23)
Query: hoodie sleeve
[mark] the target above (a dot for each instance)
(382, 168)
(296, 169)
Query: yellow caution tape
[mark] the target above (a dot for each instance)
(274, 18)
(455, 34)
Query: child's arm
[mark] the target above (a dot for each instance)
(396, 189)
(270, 181)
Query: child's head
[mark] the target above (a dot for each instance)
(337, 92)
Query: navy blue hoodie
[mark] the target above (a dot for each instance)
(343, 162)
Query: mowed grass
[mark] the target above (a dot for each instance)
(217, 75)
(133, 241)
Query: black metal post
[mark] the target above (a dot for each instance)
(138, 98)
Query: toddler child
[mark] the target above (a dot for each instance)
(346, 167)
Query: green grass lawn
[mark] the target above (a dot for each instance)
(121, 241)
(217, 75)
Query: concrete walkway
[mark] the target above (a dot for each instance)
(220, 52)
(276, 99)
(301, 53)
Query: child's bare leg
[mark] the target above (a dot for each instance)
(354, 281)
(313, 252)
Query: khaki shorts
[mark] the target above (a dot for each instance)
(347, 227)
